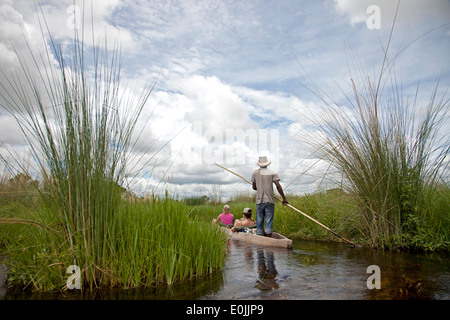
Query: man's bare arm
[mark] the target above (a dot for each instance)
(281, 192)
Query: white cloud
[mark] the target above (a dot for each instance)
(218, 123)
(233, 66)
(10, 132)
(216, 105)
(91, 19)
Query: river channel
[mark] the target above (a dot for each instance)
(311, 270)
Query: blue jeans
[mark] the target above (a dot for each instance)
(264, 212)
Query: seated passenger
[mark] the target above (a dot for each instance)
(225, 219)
(246, 221)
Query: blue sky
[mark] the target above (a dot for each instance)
(240, 66)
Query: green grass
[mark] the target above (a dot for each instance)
(159, 243)
(388, 157)
(79, 125)
(389, 151)
(146, 243)
(333, 208)
(341, 211)
(80, 129)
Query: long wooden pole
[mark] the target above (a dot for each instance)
(295, 209)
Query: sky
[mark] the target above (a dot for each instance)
(234, 78)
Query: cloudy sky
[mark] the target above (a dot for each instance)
(233, 77)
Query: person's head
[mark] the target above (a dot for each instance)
(226, 208)
(263, 162)
(247, 213)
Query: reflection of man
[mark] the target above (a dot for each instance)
(262, 181)
(267, 271)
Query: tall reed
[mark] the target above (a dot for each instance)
(389, 152)
(79, 125)
(81, 143)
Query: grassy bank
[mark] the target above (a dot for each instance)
(388, 147)
(144, 243)
(341, 212)
(78, 124)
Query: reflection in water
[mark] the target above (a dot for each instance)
(320, 270)
(266, 270)
(311, 270)
(186, 290)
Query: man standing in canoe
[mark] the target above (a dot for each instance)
(262, 181)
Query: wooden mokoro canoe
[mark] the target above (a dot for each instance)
(277, 240)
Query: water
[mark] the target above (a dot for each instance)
(311, 270)
(319, 270)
